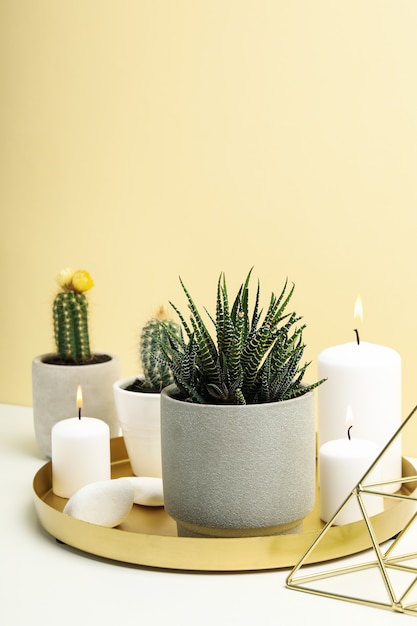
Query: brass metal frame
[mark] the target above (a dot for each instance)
(384, 562)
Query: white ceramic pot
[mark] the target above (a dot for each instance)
(234, 471)
(139, 418)
(54, 391)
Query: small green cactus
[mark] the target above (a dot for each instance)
(70, 313)
(156, 375)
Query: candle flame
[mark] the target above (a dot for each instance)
(79, 398)
(349, 417)
(358, 310)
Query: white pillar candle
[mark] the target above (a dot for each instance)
(342, 464)
(80, 454)
(368, 378)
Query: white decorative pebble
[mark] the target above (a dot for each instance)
(148, 490)
(105, 503)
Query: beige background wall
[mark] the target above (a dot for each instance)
(147, 139)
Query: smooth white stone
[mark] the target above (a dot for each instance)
(105, 503)
(148, 490)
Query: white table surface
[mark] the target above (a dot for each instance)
(43, 582)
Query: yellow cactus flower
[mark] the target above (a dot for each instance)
(64, 278)
(162, 313)
(82, 281)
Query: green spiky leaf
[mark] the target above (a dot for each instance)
(254, 357)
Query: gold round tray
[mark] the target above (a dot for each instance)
(148, 536)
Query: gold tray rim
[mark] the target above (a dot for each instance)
(197, 554)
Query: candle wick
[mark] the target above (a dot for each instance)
(79, 413)
(349, 432)
(357, 336)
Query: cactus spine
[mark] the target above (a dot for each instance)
(156, 375)
(70, 314)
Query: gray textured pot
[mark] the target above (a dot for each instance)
(54, 390)
(233, 471)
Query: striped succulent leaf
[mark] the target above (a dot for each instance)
(256, 358)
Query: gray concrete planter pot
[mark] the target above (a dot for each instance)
(54, 390)
(139, 418)
(234, 471)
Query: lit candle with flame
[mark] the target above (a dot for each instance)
(367, 377)
(79, 401)
(80, 452)
(342, 464)
(358, 317)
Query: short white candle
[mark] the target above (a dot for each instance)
(342, 464)
(367, 377)
(80, 448)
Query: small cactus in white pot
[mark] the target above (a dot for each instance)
(56, 375)
(138, 398)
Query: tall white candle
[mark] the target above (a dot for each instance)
(342, 464)
(80, 449)
(367, 377)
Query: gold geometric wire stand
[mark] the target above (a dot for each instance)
(395, 572)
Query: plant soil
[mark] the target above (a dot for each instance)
(138, 386)
(55, 359)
